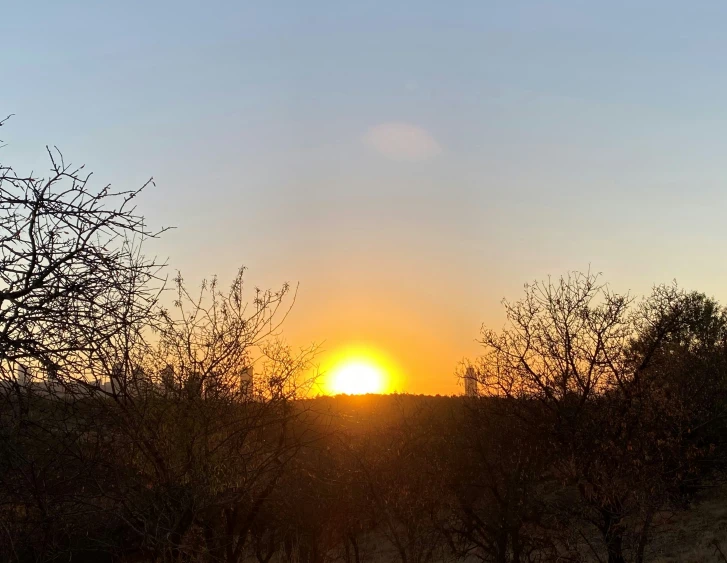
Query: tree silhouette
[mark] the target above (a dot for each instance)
(604, 373)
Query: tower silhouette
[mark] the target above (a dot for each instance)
(470, 382)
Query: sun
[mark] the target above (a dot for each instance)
(357, 371)
(357, 377)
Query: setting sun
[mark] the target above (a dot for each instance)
(357, 378)
(357, 371)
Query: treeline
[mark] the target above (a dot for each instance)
(141, 422)
(600, 418)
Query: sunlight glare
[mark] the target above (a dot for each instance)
(357, 378)
(360, 369)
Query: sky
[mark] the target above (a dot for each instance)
(407, 164)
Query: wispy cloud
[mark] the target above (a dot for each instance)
(402, 141)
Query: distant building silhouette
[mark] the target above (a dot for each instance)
(470, 382)
(246, 381)
(168, 379)
(22, 374)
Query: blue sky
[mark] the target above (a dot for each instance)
(538, 137)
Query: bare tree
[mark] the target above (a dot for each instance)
(207, 448)
(496, 468)
(74, 284)
(594, 363)
(127, 428)
(72, 274)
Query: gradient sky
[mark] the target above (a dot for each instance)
(408, 163)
